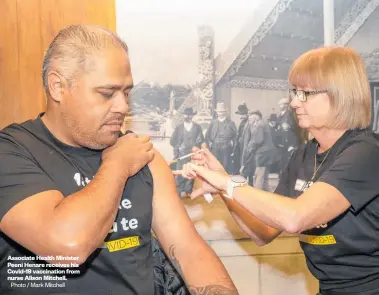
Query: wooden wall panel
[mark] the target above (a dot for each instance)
(28, 26)
(30, 56)
(96, 16)
(100, 12)
(9, 80)
(57, 14)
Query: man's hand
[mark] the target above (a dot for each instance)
(130, 153)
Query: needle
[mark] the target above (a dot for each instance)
(185, 156)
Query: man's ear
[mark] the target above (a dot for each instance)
(56, 84)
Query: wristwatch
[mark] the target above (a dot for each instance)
(234, 181)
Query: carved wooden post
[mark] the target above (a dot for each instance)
(205, 87)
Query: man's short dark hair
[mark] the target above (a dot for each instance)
(70, 51)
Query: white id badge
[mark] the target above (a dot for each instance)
(299, 185)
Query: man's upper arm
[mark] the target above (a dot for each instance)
(27, 195)
(20, 178)
(171, 223)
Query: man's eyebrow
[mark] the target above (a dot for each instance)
(114, 87)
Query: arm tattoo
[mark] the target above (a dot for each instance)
(175, 262)
(212, 290)
(206, 290)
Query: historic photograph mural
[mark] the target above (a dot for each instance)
(206, 76)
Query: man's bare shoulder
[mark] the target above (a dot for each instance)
(159, 165)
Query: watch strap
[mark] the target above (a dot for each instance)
(230, 187)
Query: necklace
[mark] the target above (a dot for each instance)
(323, 160)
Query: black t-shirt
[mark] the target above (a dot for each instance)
(344, 253)
(32, 160)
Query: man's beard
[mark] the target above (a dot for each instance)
(83, 139)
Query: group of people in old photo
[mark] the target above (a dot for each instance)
(256, 147)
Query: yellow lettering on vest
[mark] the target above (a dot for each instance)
(122, 244)
(317, 240)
